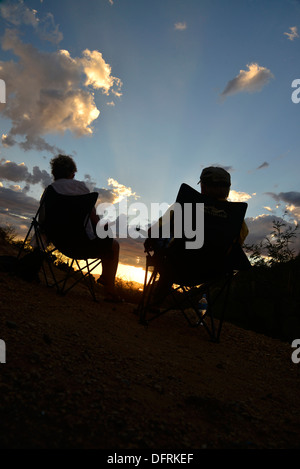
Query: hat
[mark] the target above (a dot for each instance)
(215, 175)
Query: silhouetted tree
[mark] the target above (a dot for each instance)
(274, 248)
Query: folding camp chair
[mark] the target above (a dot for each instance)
(63, 229)
(193, 272)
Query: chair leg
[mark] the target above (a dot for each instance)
(215, 334)
(25, 240)
(86, 277)
(146, 296)
(34, 226)
(221, 320)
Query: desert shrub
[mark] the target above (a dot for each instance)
(129, 291)
(7, 234)
(274, 248)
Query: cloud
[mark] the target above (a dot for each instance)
(98, 73)
(292, 197)
(17, 209)
(45, 94)
(251, 80)
(292, 200)
(18, 13)
(11, 171)
(17, 202)
(19, 173)
(262, 226)
(235, 196)
(114, 194)
(120, 191)
(293, 33)
(181, 26)
(105, 195)
(263, 165)
(259, 227)
(132, 251)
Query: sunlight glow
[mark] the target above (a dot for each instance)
(130, 273)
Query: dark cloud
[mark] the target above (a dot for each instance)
(105, 195)
(18, 13)
(262, 226)
(131, 251)
(263, 165)
(17, 202)
(11, 171)
(292, 197)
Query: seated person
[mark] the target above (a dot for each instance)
(63, 170)
(215, 183)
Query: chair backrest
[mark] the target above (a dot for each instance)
(222, 224)
(65, 220)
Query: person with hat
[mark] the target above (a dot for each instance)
(215, 182)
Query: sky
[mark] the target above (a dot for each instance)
(144, 95)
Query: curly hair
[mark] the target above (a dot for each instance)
(62, 167)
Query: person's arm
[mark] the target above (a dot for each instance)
(94, 217)
(41, 217)
(243, 233)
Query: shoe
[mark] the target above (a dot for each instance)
(101, 281)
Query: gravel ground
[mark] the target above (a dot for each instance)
(84, 374)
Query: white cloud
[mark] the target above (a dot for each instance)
(294, 211)
(293, 33)
(120, 191)
(235, 196)
(45, 94)
(98, 72)
(181, 26)
(251, 80)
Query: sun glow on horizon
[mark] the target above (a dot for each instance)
(125, 272)
(131, 273)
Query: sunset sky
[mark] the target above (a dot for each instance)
(144, 94)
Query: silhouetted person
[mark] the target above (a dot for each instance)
(215, 182)
(107, 249)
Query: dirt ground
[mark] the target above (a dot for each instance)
(86, 375)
